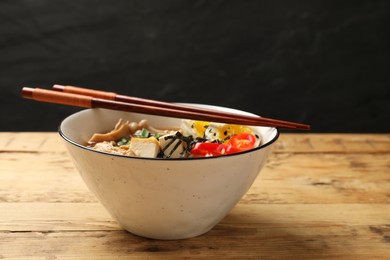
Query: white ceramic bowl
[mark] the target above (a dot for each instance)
(161, 198)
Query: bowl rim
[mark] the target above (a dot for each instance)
(60, 132)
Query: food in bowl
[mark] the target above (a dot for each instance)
(167, 199)
(192, 139)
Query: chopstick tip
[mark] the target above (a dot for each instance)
(305, 127)
(27, 92)
(58, 87)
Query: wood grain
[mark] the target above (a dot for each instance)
(320, 196)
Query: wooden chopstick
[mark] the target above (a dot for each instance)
(146, 106)
(148, 102)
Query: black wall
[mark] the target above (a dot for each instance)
(325, 63)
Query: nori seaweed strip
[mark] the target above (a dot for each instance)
(169, 144)
(161, 153)
(182, 154)
(177, 136)
(174, 148)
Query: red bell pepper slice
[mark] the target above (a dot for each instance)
(237, 143)
(240, 142)
(208, 149)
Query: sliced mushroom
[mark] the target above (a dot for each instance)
(122, 129)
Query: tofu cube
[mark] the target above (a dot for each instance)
(145, 147)
(171, 146)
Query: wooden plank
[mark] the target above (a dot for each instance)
(92, 216)
(239, 242)
(319, 196)
(333, 143)
(286, 178)
(50, 217)
(325, 178)
(41, 177)
(271, 231)
(32, 142)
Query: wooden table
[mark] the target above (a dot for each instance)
(319, 196)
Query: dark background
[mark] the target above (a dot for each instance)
(325, 63)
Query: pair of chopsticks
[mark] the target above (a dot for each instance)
(90, 98)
